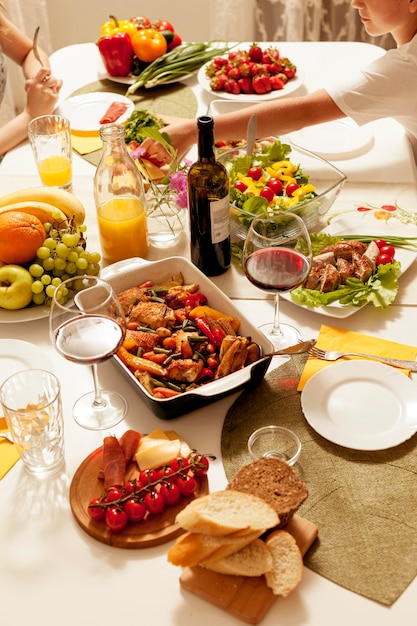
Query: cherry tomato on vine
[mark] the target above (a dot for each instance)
(149, 476)
(96, 512)
(267, 193)
(168, 474)
(116, 519)
(154, 502)
(187, 484)
(170, 493)
(255, 173)
(178, 463)
(163, 25)
(141, 22)
(290, 188)
(201, 465)
(113, 494)
(135, 510)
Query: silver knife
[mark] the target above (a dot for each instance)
(251, 134)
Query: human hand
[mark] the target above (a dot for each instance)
(42, 93)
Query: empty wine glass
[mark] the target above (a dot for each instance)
(87, 325)
(277, 258)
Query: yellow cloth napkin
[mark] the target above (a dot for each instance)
(346, 340)
(8, 452)
(85, 144)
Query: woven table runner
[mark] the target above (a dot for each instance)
(364, 503)
(177, 100)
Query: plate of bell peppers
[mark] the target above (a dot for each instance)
(127, 46)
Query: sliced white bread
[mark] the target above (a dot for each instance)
(193, 549)
(253, 560)
(287, 563)
(228, 512)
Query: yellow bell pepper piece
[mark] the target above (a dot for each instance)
(207, 311)
(114, 26)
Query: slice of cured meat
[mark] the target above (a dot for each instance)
(115, 110)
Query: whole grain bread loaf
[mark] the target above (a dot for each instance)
(274, 481)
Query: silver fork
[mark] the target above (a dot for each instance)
(333, 355)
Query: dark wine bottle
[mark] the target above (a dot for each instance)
(208, 199)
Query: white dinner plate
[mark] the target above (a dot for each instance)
(341, 139)
(291, 86)
(17, 355)
(356, 223)
(85, 111)
(361, 405)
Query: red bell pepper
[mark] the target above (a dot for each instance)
(216, 335)
(117, 53)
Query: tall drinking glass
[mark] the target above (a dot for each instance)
(87, 325)
(277, 258)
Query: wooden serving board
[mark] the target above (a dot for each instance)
(152, 531)
(247, 598)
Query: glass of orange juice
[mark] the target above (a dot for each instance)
(50, 137)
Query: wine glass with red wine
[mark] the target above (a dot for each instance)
(87, 325)
(277, 258)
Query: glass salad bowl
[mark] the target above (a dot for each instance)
(317, 182)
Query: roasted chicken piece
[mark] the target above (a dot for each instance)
(132, 296)
(141, 339)
(152, 314)
(184, 370)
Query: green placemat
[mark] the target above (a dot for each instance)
(364, 503)
(177, 100)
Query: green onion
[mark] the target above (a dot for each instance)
(179, 62)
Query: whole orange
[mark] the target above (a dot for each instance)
(21, 234)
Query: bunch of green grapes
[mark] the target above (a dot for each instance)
(62, 255)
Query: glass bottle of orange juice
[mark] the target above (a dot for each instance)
(120, 199)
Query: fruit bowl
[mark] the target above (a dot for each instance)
(125, 274)
(327, 180)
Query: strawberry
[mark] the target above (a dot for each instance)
(262, 84)
(245, 84)
(255, 53)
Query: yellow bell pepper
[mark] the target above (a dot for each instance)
(114, 26)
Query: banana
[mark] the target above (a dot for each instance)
(60, 198)
(43, 211)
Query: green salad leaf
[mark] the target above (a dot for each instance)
(380, 289)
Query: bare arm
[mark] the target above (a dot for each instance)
(42, 89)
(275, 117)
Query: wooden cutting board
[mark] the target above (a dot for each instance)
(248, 599)
(152, 531)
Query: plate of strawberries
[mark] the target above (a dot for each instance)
(258, 72)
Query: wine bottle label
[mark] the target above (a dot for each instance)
(219, 217)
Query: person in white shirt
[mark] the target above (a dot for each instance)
(42, 89)
(386, 88)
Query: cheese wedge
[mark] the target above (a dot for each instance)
(157, 452)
